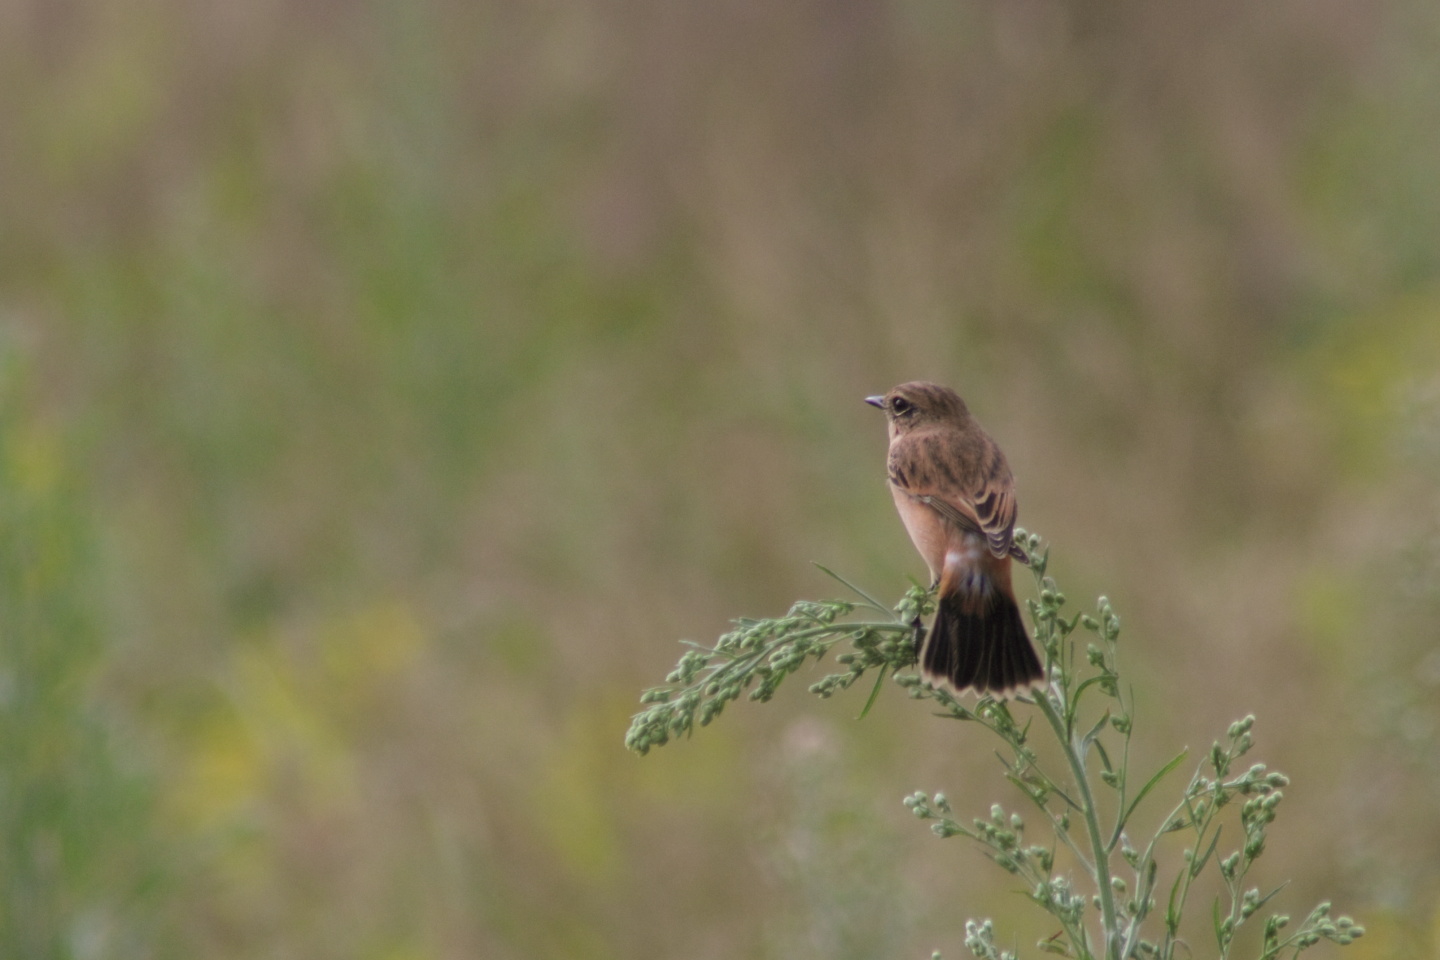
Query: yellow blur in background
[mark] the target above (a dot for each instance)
(385, 388)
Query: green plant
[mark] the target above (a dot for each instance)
(1126, 903)
(81, 876)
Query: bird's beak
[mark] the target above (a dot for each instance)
(876, 402)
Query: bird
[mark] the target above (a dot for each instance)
(956, 496)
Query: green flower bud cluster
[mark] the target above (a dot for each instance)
(919, 804)
(917, 604)
(872, 648)
(980, 938)
(756, 657)
(1317, 926)
(1057, 896)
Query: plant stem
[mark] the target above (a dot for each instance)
(1092, 826)
(834, 633)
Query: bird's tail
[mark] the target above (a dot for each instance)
(979, 642)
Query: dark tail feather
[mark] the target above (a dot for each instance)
(988, 650)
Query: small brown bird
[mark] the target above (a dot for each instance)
(956, 496)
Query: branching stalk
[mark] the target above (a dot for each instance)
(757, 656)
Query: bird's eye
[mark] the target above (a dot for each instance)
(900, 406)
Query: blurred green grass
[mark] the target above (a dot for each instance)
(385, 388)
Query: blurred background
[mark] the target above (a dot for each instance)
(386, 388)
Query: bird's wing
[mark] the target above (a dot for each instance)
(988, 510)
(995, 507)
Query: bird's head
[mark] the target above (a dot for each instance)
(918, 403)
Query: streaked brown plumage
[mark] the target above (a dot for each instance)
(956, 497)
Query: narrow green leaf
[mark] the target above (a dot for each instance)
(868, 599)
(1151, 784)
(1198, 863)
(1089, 738)
(1266, 899)
(1080, 690)
(1172, 909)
(1036, 794)
(874, 692)
(1105, 757)
(1066, 797)
(1054, 945)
